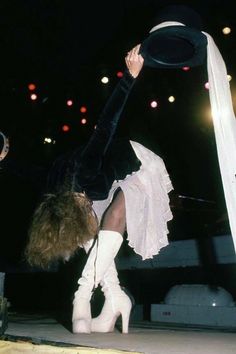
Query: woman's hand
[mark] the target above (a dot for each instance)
(134, 61)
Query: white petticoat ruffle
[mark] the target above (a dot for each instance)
(147, 203)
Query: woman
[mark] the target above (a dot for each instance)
(89, 193)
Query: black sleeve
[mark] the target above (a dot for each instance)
(92, 155)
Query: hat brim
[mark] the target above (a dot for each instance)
(174, 47)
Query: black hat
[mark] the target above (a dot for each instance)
(175, 46)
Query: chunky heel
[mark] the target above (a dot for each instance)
(115, 305)
(125, 315)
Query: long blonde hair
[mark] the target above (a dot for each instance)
(60, 225)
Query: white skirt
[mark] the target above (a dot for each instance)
(146, 201)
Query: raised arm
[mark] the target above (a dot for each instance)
(85, 166)
(109, 118)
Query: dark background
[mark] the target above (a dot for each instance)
(64, 47)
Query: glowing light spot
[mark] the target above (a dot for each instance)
(208, 115)
(185, 68)
(229, 77)
(69, 102)
(47, 140)
(31, 87)
(65, 128)
(153, 104)
(33, 97)
(104, 80)
(83, 109)
(119, 74)
(171, 99)
(83, 121)
(206, 85)
(226, 30)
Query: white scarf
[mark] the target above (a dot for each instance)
(224, 123)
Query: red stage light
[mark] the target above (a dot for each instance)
(31, 87)
(83, 109)
(65, 128)
(119, 74)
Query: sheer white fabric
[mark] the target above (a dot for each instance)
(223, 120)
(147, 203)
(224, 127)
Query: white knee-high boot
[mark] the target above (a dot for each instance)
(99, 260)
(117, 303)
(81, 316)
